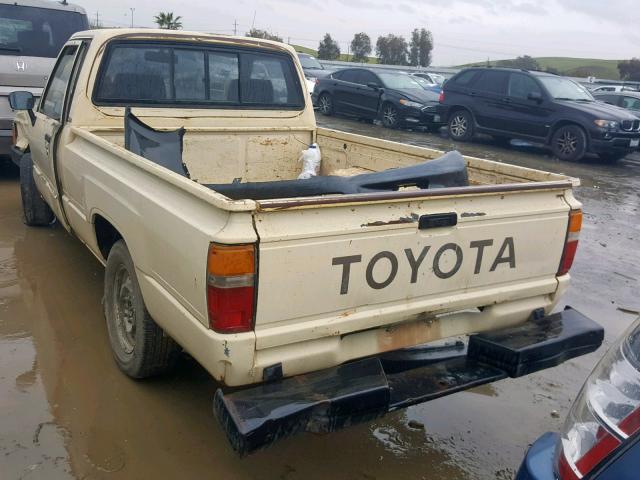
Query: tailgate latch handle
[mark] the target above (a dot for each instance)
(437, 220)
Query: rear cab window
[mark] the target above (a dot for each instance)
(167, 74)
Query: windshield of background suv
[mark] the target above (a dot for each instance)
(37, 32)
(398, 80)
(565, 89)
(308, 61)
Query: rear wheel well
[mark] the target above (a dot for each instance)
(454, 110)
(106, 235)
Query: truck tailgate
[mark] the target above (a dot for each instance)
(329, 270)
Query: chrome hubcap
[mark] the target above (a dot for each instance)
(567, 143)
(459, 126)
(325, 104)
(125, 312)
(389, 115)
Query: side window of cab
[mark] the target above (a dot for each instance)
(52, 102)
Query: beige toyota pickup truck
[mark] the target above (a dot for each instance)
(174, 157)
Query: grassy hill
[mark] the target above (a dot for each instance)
(579, 67)
(343, 56)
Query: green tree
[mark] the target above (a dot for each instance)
(420, 47)
(328, 49)
(392, 50)
(167, 21)
(524, 62)
(360, 47)
(630, 69)
(257, 33)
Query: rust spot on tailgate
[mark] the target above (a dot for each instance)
(400, 221)
(472, 214)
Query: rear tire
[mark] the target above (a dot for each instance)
(325, 104)
(460, 126)
(36, 211)
(140, 347)
(569, 143)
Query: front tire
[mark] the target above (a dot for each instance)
(140, 347)
(569, 143)
(36, 211)
(461, 126)
(325, 104)
(390, 116)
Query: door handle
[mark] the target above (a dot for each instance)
(506, 100)
(473, 94)
(436, 220)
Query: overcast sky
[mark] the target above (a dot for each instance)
(463, 30)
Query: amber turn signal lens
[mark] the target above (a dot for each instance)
(228, 260)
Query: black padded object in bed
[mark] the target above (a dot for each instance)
(450, 170)
(163, 148)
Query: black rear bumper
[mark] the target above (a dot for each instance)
(363, 390)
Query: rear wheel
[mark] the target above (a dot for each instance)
(390, 116)
(325, 104)
(569, 143)
(36, 211)
(140, 347)
(461, 126)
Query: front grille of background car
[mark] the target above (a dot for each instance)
(631, 125)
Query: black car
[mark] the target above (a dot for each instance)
(312, 67)
(394, 98)
(626, 99)
(539, 107)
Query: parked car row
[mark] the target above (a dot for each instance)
(396, 99)
(505, 103)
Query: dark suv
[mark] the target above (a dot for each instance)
(536, 106)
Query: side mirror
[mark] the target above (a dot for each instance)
(535, 96)
(373, 85)
(22, 100)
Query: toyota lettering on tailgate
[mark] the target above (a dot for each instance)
(416, 259)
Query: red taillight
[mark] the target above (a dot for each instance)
(317, 81)
(606, 412)
(231, 287)
(571, 242)
(441, 98)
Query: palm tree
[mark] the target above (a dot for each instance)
(165, 20)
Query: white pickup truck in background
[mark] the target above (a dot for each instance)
(191, 201)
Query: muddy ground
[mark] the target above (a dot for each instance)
(67, 412)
